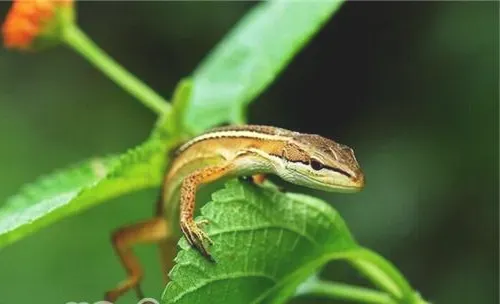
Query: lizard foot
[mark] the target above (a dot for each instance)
(196, 237)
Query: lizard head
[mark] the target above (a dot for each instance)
(320, 163)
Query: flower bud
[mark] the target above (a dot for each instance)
(34, 24)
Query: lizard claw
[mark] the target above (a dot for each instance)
(196, 237)
(202, 222)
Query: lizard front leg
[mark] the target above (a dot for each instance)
(195, 236)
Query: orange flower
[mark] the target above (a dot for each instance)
(28, 20)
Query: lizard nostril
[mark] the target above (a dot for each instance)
(359, 178)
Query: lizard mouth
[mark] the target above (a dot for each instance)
(349, 188)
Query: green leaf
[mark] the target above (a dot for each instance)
(266, 244)
(250, 57)
(73, 190)
(174, 122)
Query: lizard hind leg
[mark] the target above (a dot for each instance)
(259, 179)
(256, 179)
(150, 231)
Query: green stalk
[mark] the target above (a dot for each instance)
(383, 274)
(341, 291)
(82, 44)
(379, 271)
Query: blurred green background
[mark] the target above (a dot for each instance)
(413, 87)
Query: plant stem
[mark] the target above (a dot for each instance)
(378, 277)
(341, 291)
(385, 275)
(83, 45)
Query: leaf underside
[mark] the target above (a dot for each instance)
(266, 243)
(73, 190)
(250, 57)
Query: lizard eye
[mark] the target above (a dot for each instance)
(316, 165)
